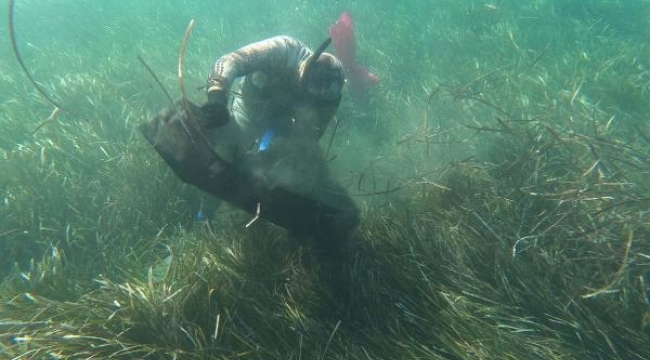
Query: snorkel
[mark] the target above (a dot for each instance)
(304, 73)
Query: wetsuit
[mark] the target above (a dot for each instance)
(266, 82)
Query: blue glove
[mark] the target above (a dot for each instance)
(266, 139)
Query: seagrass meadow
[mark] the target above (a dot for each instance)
(501, 168)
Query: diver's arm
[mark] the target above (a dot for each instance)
(279, 53)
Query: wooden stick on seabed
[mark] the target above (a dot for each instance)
(180, 64)
(14, 46)
(37, 86)
(53, 115)
(329, 145)
(257, 216)
(153, 75)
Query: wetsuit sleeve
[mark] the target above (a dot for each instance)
(280, 53)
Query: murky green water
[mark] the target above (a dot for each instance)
(86, 192)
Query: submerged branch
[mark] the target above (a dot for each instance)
(14, 46)
(153, 75)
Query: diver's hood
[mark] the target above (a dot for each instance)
(322, 74)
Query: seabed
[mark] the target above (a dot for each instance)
(501, 168)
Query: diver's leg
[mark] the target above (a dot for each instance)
(208, 207)
(248, 123)
(202, 206)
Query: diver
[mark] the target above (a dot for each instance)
(254, 143)
(276, 87)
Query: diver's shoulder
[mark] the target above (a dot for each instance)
(287, 40)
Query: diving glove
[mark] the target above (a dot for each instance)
(215, 110)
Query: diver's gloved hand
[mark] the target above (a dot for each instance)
(215, 110)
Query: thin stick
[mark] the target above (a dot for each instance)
(180, 64)
(153, 75)
(312, 59)
(257, 216)
(336, 126)
(14, 46)
(186, 104)
(575, 92)
(216, 327)
(53, 115)
(619, 273)
(329, 341)
(8, 232)
(426, 119)
(540, 55)
(8, 325)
